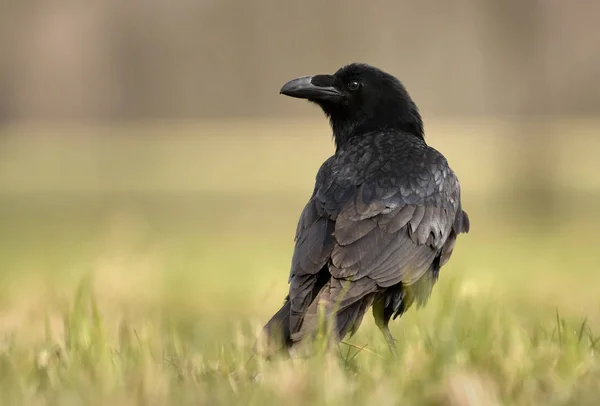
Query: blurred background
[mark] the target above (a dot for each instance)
(145, 143)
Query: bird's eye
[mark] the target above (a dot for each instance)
(353, 85)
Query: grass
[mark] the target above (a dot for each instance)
(466, 349)
(138, 269)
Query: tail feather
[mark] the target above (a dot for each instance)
(343, 307)
(276, 334)
(338, 323)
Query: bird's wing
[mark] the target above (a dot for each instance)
(314, 245)
(387, 229)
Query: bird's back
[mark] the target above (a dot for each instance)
(392, 164)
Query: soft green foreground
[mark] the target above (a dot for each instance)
(136, 268)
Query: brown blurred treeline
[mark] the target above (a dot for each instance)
(119, 60)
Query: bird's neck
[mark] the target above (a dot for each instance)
(346, 131)
(403, 117)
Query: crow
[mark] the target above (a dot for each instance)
(383, 217)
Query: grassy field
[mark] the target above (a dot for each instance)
(137, 264)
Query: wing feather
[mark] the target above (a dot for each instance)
(369, 235)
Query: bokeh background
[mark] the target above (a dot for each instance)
(144, 143)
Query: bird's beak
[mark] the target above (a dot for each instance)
(307, 87)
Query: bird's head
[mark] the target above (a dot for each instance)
(359, 98)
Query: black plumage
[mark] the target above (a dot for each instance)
(383, 217)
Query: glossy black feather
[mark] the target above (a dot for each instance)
(384, 215)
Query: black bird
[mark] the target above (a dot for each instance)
(383, 217)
